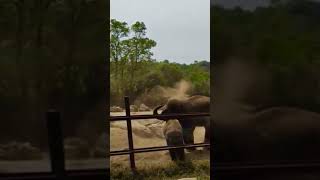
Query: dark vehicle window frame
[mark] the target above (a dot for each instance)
(253, 166)
(99, 173)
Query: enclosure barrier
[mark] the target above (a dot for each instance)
(132, 151)
(232, 170)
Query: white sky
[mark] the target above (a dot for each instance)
(181, 28)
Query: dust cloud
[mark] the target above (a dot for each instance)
(179, 91)
(160, 94)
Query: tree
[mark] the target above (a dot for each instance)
(140, 48)
(118, 31)
(129, 49)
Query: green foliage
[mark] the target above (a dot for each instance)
(130, 49)
(134, 72)
(165, 74)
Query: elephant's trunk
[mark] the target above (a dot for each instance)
(155, 111)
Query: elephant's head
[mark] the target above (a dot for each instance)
(173, 106)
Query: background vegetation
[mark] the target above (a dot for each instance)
(133, 71)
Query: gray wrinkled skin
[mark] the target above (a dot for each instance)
(193, 104)
(172, 131)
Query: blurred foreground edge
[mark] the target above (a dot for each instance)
(57, 159)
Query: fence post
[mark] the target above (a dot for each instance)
(129, 128)
(56, 144)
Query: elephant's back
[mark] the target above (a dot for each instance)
(199, 104)
(199, 98)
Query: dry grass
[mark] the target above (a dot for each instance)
(199, 169)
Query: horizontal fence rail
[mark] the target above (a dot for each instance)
(131, 150)
(158, 148)
(147, 116)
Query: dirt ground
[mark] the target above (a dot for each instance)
(147, 133)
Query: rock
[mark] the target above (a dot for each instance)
(134, 108)
(76, 148)
(148, 122)
(157, 129)
(138, 129)
(141, 130)
(116, 109)
(19, 151)
(143, 107)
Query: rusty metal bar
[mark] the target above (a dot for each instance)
(129, 128)
(56, 144)
(153, 149)
(137, 117)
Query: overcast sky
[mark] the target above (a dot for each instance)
(181, 28)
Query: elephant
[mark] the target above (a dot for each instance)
(193, 104)
(172, 131)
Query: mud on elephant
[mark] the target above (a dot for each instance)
(193, 104)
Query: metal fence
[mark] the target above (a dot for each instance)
(132, 151)
(233, 170)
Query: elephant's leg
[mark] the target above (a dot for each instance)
(172, 154)
(180, 154)
(171, 151)
(188, 137)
